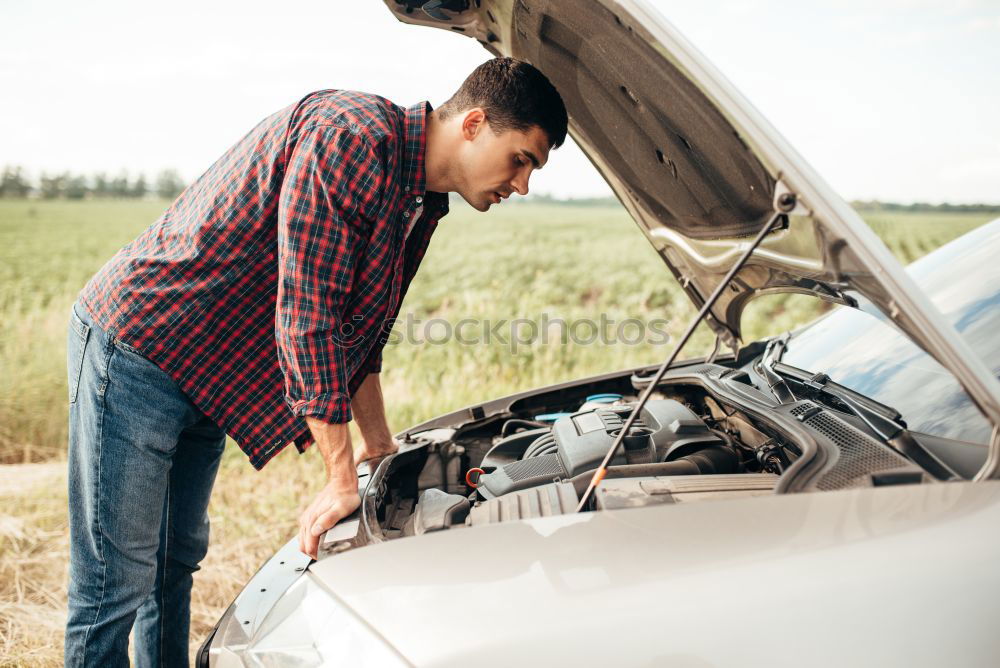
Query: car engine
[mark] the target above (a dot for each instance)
(576, 444)
(539, 466)
(707, 432)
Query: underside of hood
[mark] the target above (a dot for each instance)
(677, 157)
(700, 170)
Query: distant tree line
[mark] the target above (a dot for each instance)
(168, 184)
(875, 205)
(860, 205)
(549, 198)
(14, 183)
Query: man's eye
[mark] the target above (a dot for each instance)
(518, 161)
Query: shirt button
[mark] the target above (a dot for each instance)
(407, 188)
(406, 214)
(419, 199)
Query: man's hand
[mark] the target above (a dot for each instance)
(332, 504)
(339, 498)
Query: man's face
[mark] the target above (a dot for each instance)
(494, 166)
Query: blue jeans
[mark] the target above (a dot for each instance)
(142, 461)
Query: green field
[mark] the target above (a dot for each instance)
(523, 261)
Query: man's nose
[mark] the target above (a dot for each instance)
(520, 184)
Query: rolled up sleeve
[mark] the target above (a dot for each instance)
(333, 177)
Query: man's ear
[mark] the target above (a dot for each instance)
(473, 123)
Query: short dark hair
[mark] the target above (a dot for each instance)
(514, 95)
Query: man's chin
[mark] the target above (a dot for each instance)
(478, 204)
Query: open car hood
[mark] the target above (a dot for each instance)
(701, 171)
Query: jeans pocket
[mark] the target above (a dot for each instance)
(76, 347)
(121, 345)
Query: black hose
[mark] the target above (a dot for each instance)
(713, 459)
(723, 435)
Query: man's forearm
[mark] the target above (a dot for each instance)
(339, 497)
(369, 412)
(334, 443)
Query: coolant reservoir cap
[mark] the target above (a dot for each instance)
(604, 398)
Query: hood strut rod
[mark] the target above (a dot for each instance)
(603, 468)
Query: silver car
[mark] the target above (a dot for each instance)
(825, 497)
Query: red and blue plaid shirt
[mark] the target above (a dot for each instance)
(268, 288)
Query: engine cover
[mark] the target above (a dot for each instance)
(665, 429)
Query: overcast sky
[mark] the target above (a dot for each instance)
(889, 99)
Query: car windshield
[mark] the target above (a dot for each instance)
(869, 356)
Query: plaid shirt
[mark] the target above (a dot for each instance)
(268, 288)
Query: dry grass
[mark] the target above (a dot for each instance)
(33, 557)
(252, 514)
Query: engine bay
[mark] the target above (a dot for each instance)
(685, 446)
(707, 432)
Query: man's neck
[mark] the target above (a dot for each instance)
(438, 177)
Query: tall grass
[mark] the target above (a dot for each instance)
(912, 235)
(529, 261)
(48, 250)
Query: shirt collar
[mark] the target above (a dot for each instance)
(414, 175)
(415, 121)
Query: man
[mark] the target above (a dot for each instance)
(257, 307)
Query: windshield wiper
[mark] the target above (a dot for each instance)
(765, 367)
(884, 421)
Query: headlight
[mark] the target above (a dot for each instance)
(305, 626)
